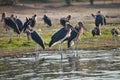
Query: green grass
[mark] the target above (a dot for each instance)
(87, 41)
(16, 43)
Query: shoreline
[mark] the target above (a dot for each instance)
(13, 52)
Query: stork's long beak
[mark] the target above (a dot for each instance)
(81, 25)
(84, 28)
(3, 16)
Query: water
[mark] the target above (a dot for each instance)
(88, 65)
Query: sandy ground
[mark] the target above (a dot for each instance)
(79, 11)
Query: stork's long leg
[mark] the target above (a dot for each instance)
(36, 51)
(28, 36)
(75, 56)
(36, 47)
(115, 39)
(75, 48)
(61, 53)
(11, 35)
(74, 52)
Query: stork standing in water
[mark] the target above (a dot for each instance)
(47, 20)
(10, 23)
(32, 34)
(75, 35)
(59, 36)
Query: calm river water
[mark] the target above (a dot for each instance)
(47, 65)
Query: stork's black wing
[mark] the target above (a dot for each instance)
(37, 39)
(59, 35)
(12, 24)
(33, 22)
(19, 23)
(26, 25)
(47, 21)
(72, 37)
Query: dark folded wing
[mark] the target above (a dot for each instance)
(37, 39)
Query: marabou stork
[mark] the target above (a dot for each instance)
(75, 35)
(115, 33)
(26, 26)
(64, 20)
(11, 23)
(29, 24)
(47, 20)
(96, 31)
(33, 20)
(19, 23)
(59, 36)
(36, 38)
(32, 33)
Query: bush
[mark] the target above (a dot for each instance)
(8, 2)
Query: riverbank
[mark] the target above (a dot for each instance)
(81, 12)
